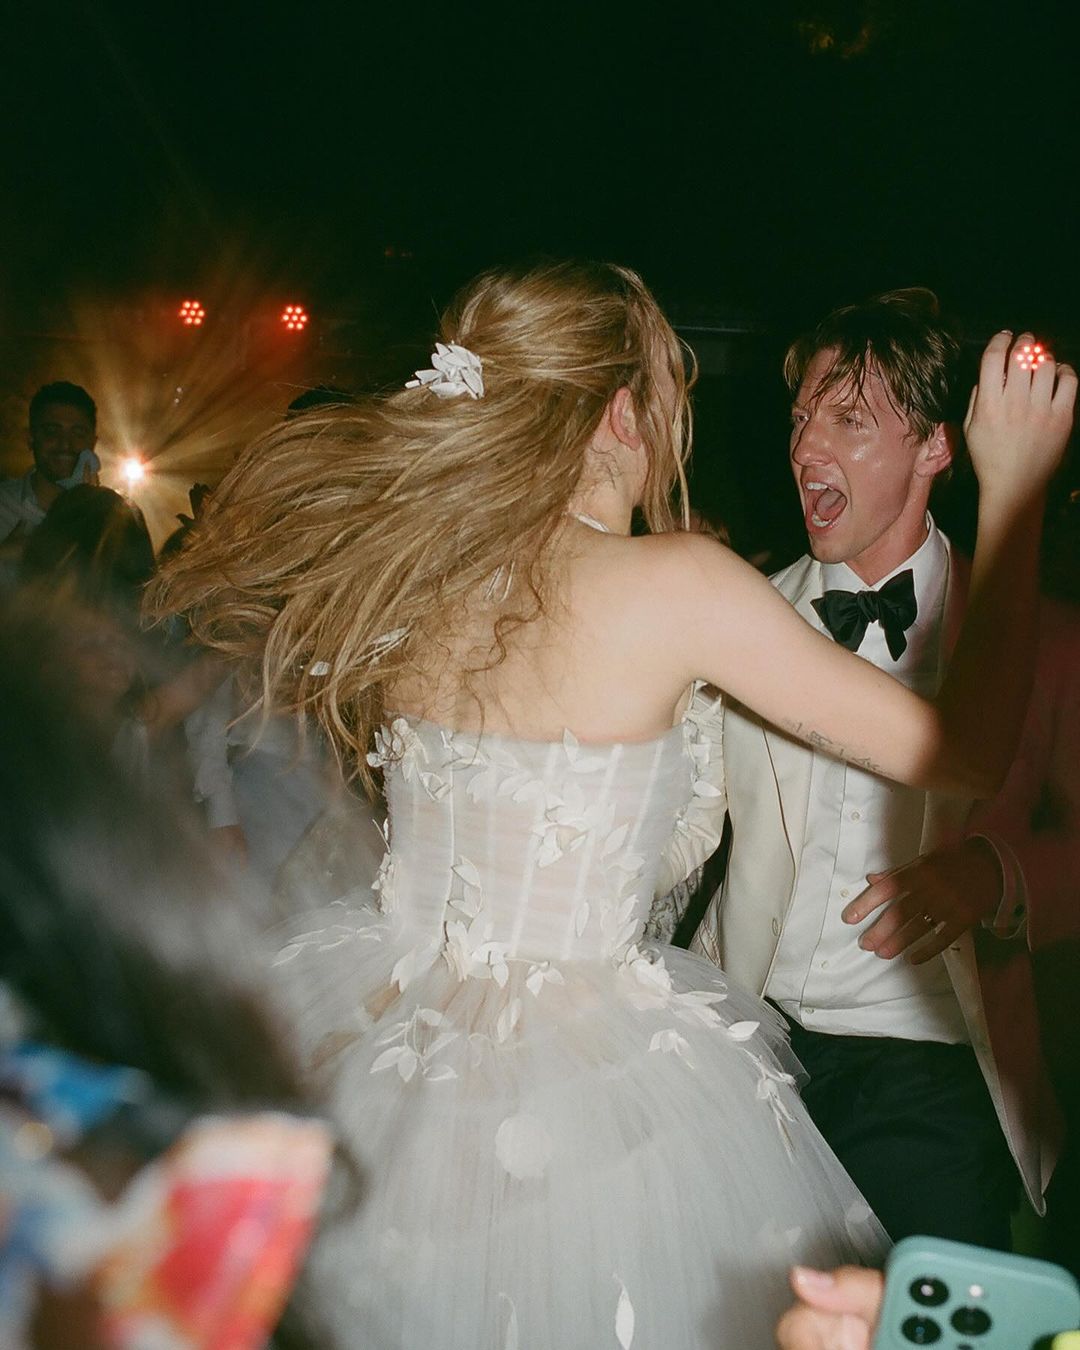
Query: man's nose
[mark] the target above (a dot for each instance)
(808, 444)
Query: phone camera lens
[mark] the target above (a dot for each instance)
(921, 1330)
(971, 1321)
(929, 1292)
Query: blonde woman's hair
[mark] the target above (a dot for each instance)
(345, 540)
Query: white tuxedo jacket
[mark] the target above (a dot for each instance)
(767, 776)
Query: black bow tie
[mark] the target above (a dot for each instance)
(846, 614)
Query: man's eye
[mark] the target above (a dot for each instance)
(851, 420)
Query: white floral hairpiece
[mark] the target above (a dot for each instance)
(456, 371)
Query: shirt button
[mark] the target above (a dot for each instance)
(824, 965)
(844, 893)
(776, 927)
(810, 1011)
(855, 815)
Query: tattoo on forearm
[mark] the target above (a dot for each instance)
(817, 741)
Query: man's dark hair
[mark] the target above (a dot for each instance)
(899, 336)
(65, 393)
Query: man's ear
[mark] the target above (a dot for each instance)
(623, 419)
(937, 451)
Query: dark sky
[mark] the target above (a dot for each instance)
(761, 157)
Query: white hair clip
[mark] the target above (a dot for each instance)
(456, 371)
(378, 647)
(385, 642)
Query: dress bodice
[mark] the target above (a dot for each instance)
(527, 850)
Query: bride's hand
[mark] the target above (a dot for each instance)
(1019, 419)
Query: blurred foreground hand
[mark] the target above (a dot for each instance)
(837, 1310)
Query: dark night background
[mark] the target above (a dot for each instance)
(758, 163)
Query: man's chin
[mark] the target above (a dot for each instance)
(827, 547)
(56, 473)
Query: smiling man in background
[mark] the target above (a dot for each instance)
(62, 434)
(927, 1105)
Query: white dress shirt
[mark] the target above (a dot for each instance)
(859, 823)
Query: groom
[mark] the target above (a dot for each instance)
(926, 1085)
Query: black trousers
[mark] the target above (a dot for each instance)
(913, 1124)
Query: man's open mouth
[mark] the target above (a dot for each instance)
(824, 505)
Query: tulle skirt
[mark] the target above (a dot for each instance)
(558, 1157)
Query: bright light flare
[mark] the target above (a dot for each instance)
(295, 318)
(191, 314)
(1031, 355)
(134, 471)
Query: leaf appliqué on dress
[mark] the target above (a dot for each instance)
(624, 1317)
(523, 1146)
(401, 746)
(413, 1044)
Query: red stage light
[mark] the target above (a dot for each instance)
(295, 318)
(191, 314)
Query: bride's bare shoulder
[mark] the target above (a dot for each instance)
(663, 580)
(688, 552)
(683, 576)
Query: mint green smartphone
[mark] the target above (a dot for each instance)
(958, 1297)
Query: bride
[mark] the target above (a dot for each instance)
(574, 1139)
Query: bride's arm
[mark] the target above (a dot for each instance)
(737, 631)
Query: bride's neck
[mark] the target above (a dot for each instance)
(605, 505)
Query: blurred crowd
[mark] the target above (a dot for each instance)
(153, 835)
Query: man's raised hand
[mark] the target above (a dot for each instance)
(1019, 418)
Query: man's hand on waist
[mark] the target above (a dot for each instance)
(928, 903)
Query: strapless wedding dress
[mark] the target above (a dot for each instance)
(569, 1138)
